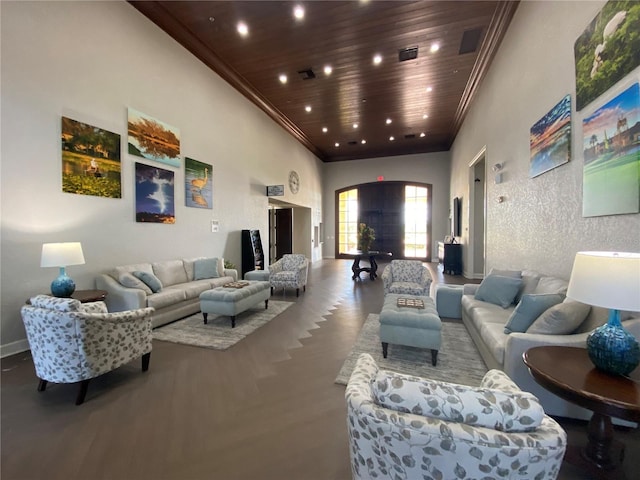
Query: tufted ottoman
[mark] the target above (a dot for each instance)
(233, 301)
(449, 300)
(413, 327)
(262, 275)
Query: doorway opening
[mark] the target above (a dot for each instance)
(289, 230)
(477, 215)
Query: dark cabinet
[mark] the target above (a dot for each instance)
(252, 252)
(450, 255)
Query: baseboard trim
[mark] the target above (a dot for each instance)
(473, 276)
(13, 348)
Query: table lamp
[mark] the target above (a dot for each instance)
(609, 280)
(62, 255)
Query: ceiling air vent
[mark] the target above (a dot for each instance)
(352, 142)
(470, 40)
(306, 74)
(405, 54)
(409, 136)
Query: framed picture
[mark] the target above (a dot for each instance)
(90, 160)
(152, 139)
(198, 184)
(550, 139)
(611, 144)
(154, 195)
(607, 50)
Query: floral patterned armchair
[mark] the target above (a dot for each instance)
(74, 342)
(409, 277)
(403, 427)
(290, 271)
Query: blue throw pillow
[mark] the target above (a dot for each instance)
(498, 290)
(205, 268)
(150, 280)
(530, 307)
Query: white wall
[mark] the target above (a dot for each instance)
(430, 168)
(91, 61)
(540, 224)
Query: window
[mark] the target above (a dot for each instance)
(348, 220)
(416, 210)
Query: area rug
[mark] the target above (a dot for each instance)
(458, 359)
(217, 333)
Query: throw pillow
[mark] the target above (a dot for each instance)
(476, 406)
(530, 307)
(150, 280)
(205, 268)
(498, 290)
(560, 319)
(128, 280)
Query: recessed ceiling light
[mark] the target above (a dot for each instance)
(422, 134)
(336, 144)
(325, 129)
(388, 121)
(435, 47)
(328, 69)
(363, 141)
(308, 108)
(355, 125)
(425, 116)
(243, 29)
(212, 19)
(429, 89)
(282, 78)
(377, 59)
(298, 12)
(392, 138)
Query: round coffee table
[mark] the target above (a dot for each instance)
(568, 373)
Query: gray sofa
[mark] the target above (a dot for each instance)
(181, 281)
(486, 321)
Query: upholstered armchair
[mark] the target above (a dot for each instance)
(405, 427)
(289, 272)
(73, 342)
(409, 277)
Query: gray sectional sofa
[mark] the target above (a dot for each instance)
(181, 283)
(486, 322)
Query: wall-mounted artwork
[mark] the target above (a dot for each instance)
(90, 160)
(550, 139)
(152, 139)
(607, 50)
(198, 184)
(611, 146)
(154, 195)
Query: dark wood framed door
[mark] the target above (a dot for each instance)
(284, 232)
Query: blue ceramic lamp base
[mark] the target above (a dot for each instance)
(63, 286)
(612, 349)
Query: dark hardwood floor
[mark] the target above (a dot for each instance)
(267, 408)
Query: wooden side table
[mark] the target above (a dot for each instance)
(89, 295)
(569, 373)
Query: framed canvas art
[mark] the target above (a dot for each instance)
(611, 144)
(90, 160)
(550, 139)
(154, 195)
(607, 50)
(152, 139)
(198, 184)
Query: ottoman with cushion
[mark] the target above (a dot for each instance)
(232, 301)
(449, 300)
(410, 326)
(259, 275)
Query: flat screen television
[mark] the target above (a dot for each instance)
(457, 213)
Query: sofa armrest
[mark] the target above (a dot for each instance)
(231, 272)
(120, 298)
(470, 288)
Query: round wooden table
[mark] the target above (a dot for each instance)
(372, 269)
(89, 295)
(569, 373)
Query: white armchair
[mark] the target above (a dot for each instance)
(409, 277)
(72, 342)
(403, 427)
(289, 272)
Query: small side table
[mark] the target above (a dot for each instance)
(568, 372)
(89, 295)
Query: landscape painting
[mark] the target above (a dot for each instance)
(611, 142)
(607, 50)
(198, 182)
(152, 139)
(90, 160)
(154, 195)
(550, 139)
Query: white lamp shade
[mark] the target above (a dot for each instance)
(61, 254)
(606, 279)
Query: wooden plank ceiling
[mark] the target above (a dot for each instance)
(424, 98)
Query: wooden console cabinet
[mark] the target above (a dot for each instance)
(450, 255)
